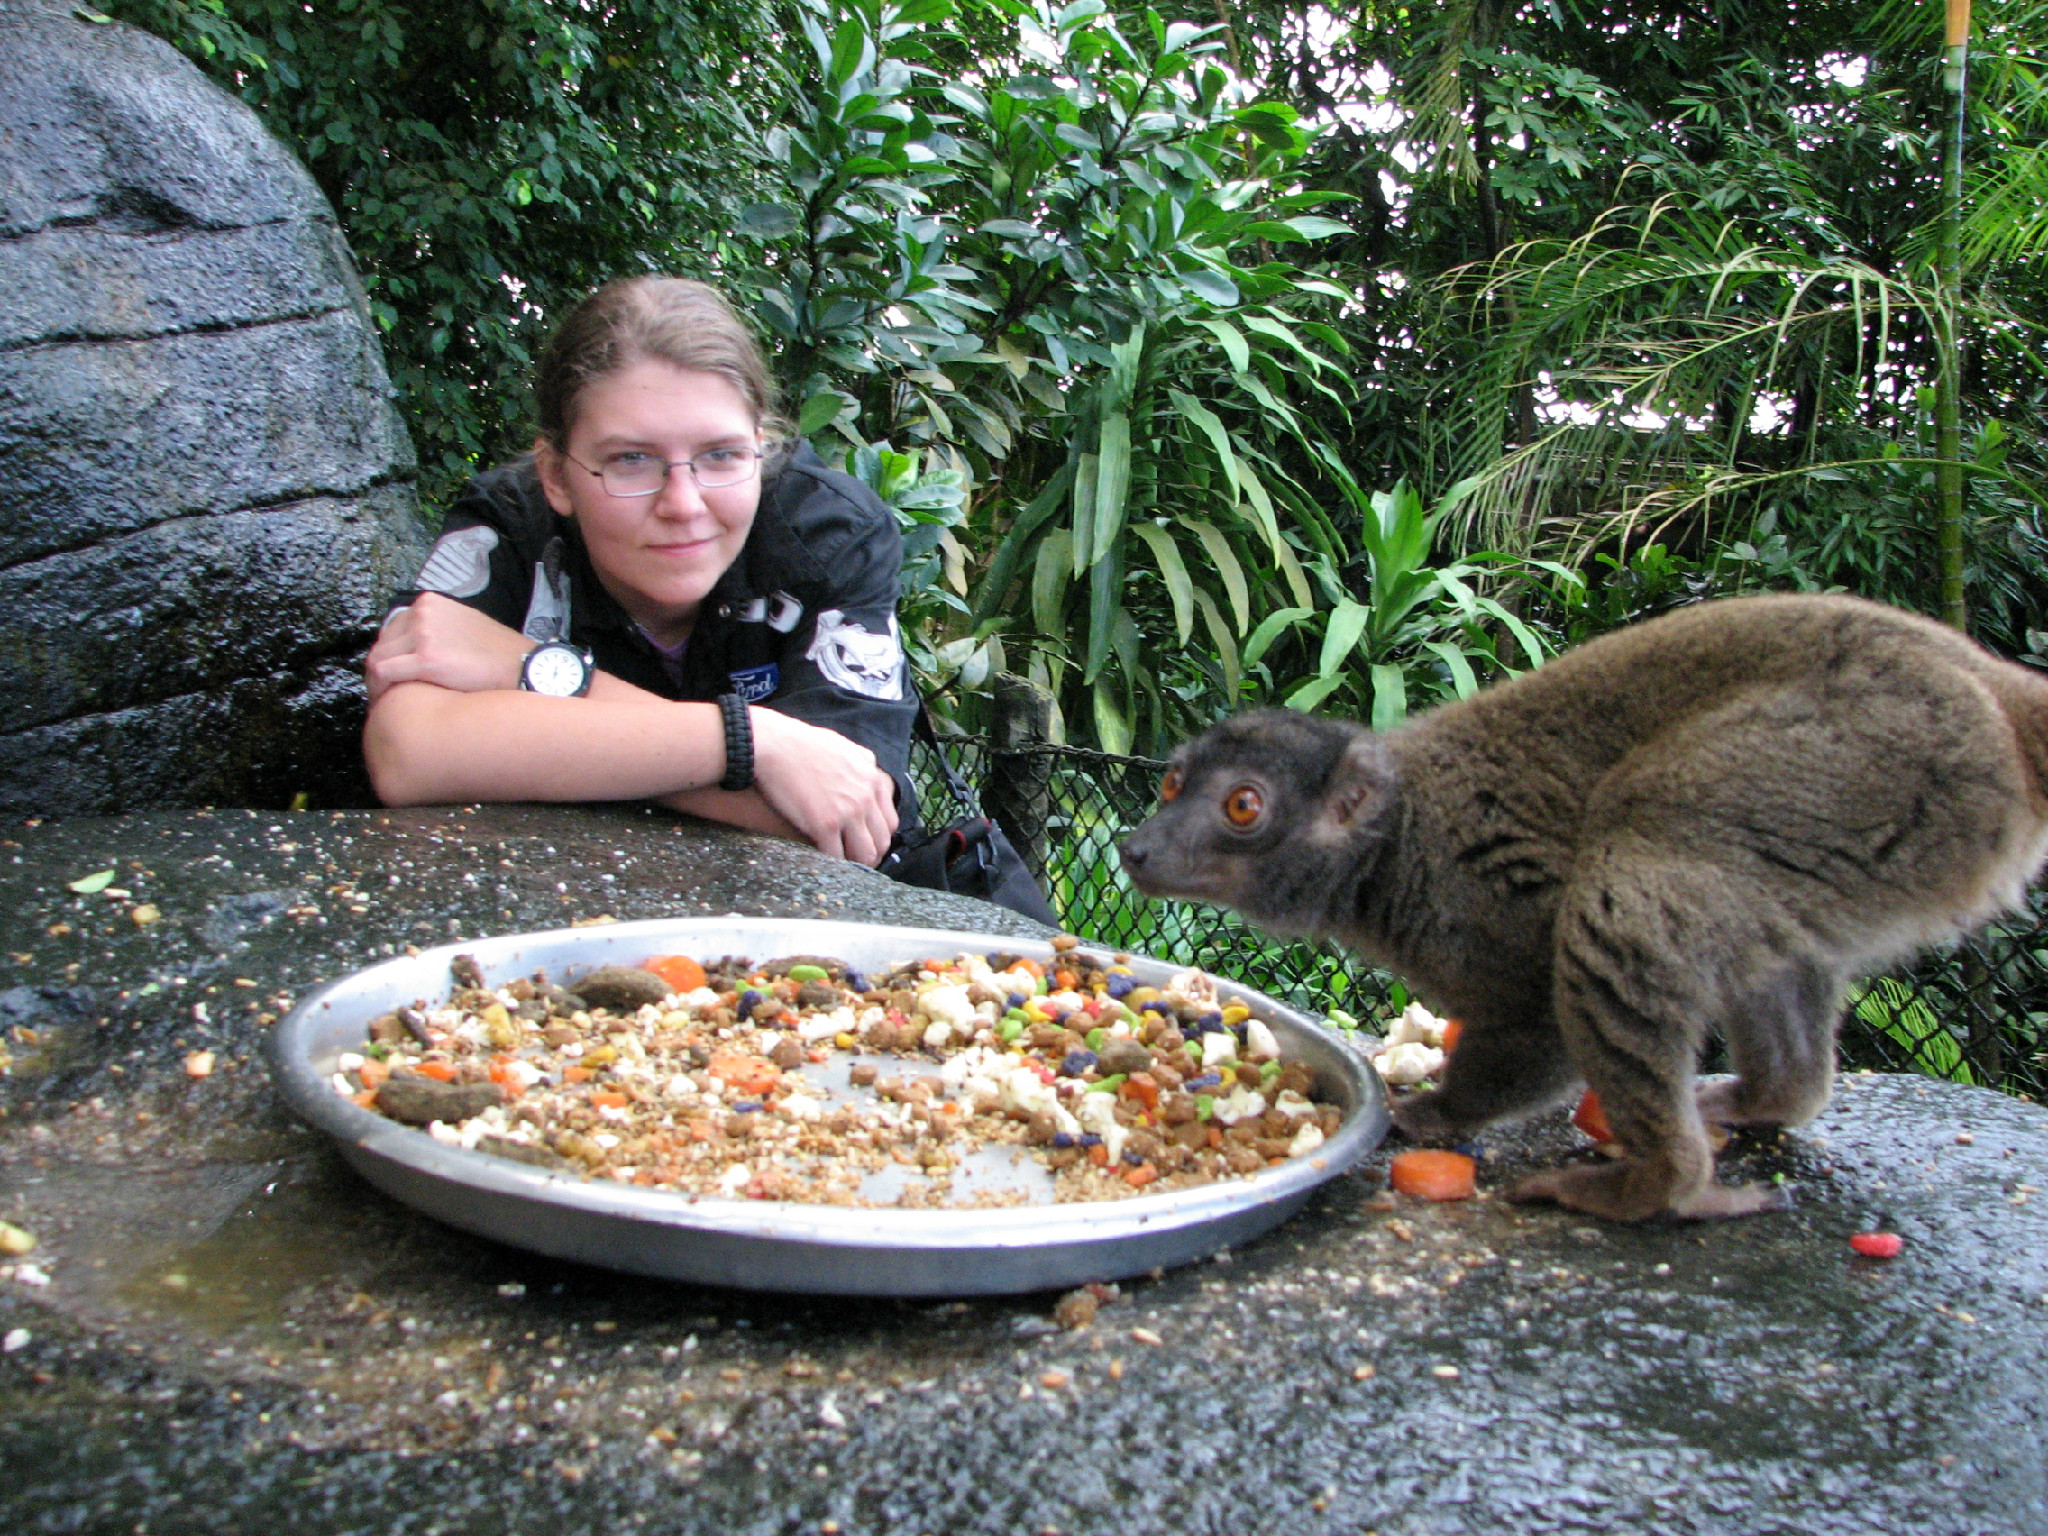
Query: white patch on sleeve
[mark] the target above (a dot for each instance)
(460, 564)
(857, 659)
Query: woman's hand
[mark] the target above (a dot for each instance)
(826, 786)
(438, 640)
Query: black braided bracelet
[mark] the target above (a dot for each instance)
(739, 742)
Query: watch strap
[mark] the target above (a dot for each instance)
(739, 742)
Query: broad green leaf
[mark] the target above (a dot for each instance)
(1389, 696)
(1211, 426)
(769, 221)
(1262, 511)
(1014, 357)
(1105, 608)
(1346, 624)
(1297, 579)
(1175, 573)
(1211, 287)
(853, 52)
(819, 412)
(1002, 569)
(1531, 646)
(1049, 583)
(1113, 483)
(917, 13)
(1462, 677)
(1226, 645)
(1269, 629)
(965, 97)
(1112, 724)
(1085, 486)
(1227, 567)
(91, 885)
(1235, 347)
(1313, 692)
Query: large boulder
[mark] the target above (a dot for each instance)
(208, 492)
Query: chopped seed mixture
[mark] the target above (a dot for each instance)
(800, 1079)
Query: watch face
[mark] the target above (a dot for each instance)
(556, 670)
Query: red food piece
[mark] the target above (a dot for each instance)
(1592, 1119)
(1877, 1245)
(1452, 1029)
(1434, 1175)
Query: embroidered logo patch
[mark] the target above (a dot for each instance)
(460, 563)
(869, 664)
(753, 684)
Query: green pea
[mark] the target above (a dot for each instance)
(809, 973)
(1205, 1106)
(1010, 1029)
(1095, 1037)
(1109, 1084)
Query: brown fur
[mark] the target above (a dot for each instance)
(1714, 821)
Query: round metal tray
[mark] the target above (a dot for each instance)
(783, 1246)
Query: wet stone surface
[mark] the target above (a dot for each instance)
(237, 1334)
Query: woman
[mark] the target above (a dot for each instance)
(660, 602)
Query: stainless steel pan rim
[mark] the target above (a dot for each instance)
(783, 1246)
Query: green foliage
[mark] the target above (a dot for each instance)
(1066, 280)
(1891, 1007)
(490, 161)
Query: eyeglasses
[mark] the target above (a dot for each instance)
(643, 474)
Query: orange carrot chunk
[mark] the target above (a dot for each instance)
(1452, 1029)
(681, 972)
(749, 1074)
(1592, 1119)
(1432, 1175)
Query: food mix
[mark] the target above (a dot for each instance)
(802, 1079)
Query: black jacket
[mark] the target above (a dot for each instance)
(803, 622)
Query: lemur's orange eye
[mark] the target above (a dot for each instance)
(1244, 805)
(1169, 787)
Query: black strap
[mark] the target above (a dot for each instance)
(970, 803)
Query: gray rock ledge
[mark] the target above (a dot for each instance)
(239, 1335)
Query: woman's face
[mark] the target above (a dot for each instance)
(657, 555)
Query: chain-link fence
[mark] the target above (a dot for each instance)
(1972, 1012)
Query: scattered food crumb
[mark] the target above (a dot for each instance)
(17, 1338)
(1364, 1372)
(1052, 1381)
(1965, 1139)
(1877, 1245)
(199, 1064)
(15, 1241)
(1146, 1336)
(1445, 1372)
(144, 915)
(1076, 1309)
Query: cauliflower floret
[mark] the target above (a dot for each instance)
(822, 1026)
(1260, 1043)
(1097, 1113)
(1292, 1104)
(1408, 1063)
(1218, 1047)
(1241, 1103)
(1416, 1026)
(1306, 1140)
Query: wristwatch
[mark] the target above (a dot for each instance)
(558, 669)
(739, 742)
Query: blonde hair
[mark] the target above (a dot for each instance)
(667, 319)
